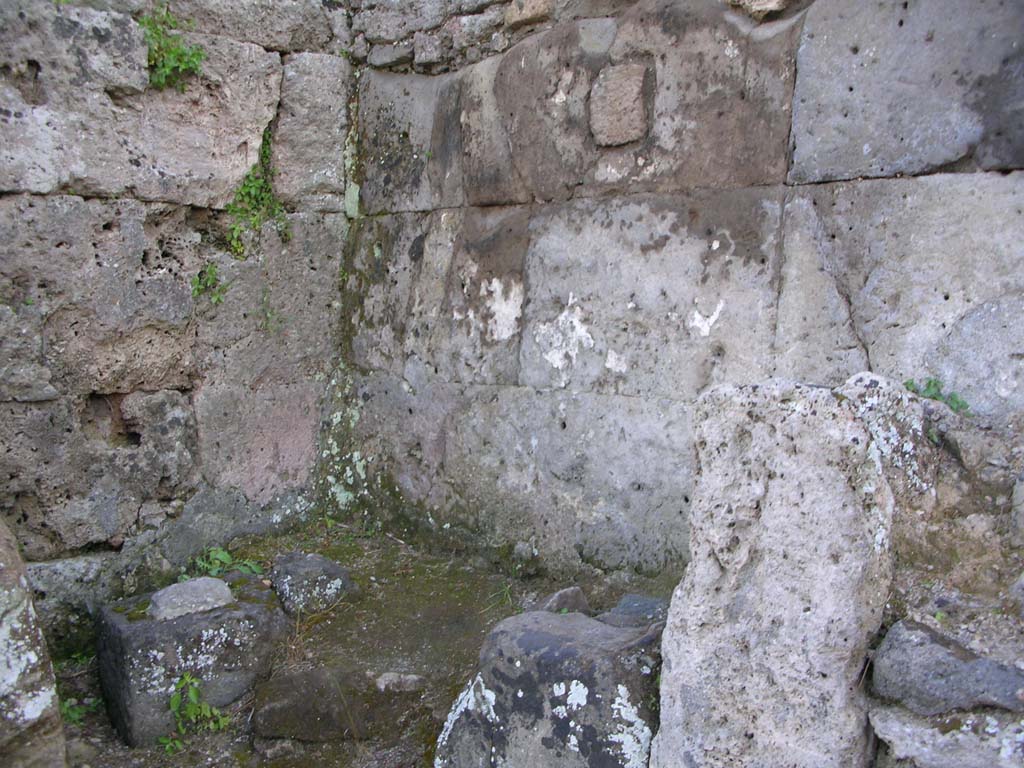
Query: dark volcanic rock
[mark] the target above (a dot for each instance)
(636, 611)
(309, 583)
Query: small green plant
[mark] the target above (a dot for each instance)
(73, 711)
(208, 282)
(190, 712)
(172, 744)
(170, 60)
(499, 598)
(269, 319)
(217, 561)
(255, 204)
(932, 389)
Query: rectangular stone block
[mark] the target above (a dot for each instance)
(894, 88)
(652, 296)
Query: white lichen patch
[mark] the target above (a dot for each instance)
(475, 697)
(632, 734)
(505, 308)
(705, 324)
(615, 362)
(562, 339)
(26, 694)
(577, 695)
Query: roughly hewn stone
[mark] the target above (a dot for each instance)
(309, 583)
(964, 740)
(192, 596)
(568, 600)
(384, 56)
(636, 611)
(312, 124)
(890, 88)
(556, 690)
(790, 572)
(618, 114)
(760, 8)
(930, 674)
(31, 732)
(141, 659)
(283, 25)
(521, 12)
(856, 291)
(387, 21)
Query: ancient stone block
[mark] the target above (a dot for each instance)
(564, 690)
(141, 659)
(891, 89)
(929, 287)
(790, 572)
(617, 111)
(411, 142)
(31, 732)
(652, 295)
(930, 674)
(309, 583)
(312, 124)
(760, 8)
(284, 25)
(522, 12)
(387, 21)
(192, 596)
(384, 56)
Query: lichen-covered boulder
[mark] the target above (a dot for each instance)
(141, 658)
(31, 735)
(562, 691)
(310, 583)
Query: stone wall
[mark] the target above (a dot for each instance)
(142, 422)
(556, 223)
(565, 243)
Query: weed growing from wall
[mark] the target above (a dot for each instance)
(207, 282)
(932, 389)
(170, 61)
(255, 204)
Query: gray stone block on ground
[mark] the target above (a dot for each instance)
(31, 732)
(192, 596)
(556, 690)
(568, 600)
(964, 740)
(930, 674)
(141, 659)
(309, 583)
(891, 88)
(636, 611)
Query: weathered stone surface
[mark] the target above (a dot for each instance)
(930, 674)
(312, 124)
(568, 600)
(192, 596)
(653, 295)
(385, 21)
(520, 12)
(326, 704)
(618, 114)
(790, 572)
(309, 583)
(760, 8)
(384, 56)
(284, 25)
(31, 733)
(636, 611)
(910, 277)
(973, 740)
(141, 659)
(887, 89)
(556, 690)
(192, 147)
(408, 128)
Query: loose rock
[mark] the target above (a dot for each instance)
(308, 583)
(192, 596)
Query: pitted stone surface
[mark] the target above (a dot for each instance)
(790, 571)
(556, 690)
(310, 583)
(894, 88)
(617, 111)
(192, 596)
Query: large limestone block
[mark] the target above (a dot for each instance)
(895, 88)
(82, 118)
(652, 295)
(312, 124)
(563, 691)
(790, 571)
(912, 276)
(277, 25)
(386, 21)
(410, 142)
(31, 733)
